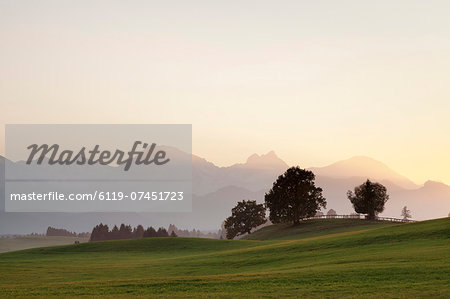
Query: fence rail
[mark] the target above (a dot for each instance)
(359, 216)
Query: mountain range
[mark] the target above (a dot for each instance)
(217, 189)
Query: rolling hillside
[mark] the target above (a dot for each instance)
(25, 242)
(314, 228)
(397, 260)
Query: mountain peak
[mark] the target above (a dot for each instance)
(269, 156)
(265, 161)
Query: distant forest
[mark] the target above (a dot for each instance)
(102, 232)
(60, 232)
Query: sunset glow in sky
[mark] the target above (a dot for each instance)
(316, 81)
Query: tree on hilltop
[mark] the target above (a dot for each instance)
(294, 196)
(369, 198)
(331, 214)
(406, 213)
(245, 216)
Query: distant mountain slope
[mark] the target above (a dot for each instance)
(432, 200)
(215, 207)
(258, 172)
(365, 167)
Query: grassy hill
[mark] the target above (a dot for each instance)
(314, 228)
(385, 260)
(25, 242)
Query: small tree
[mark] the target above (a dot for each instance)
(331, 213)
(294, 196)
(222, 231)
(369, 198)
(406, 213)
(245, 216)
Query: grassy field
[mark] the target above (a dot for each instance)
(26, 242)
(372, 260)
(314, 228)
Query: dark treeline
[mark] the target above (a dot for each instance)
(60, 232)
(102, 232)
(195, 233)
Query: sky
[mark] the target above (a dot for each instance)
(316, 81)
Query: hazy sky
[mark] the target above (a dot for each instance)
(316, 81)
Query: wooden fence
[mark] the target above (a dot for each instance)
(359, 216)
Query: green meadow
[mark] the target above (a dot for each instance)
(26, 242)
(320, 258)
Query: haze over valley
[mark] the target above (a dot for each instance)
(218, 189)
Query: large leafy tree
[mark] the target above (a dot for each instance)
(369, 198)
(245, 216)
(294, 196)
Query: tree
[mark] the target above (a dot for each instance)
(331, 213)
(369, 198)
(125, 231)
(162, 232)
(99, 233)
(245, 216)
(172, 228)
(222, 231)
(294, 196)
(150, 232)
(406, 213)
(114, 234)
(173, 234)
(51, 231)
(138, 232)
